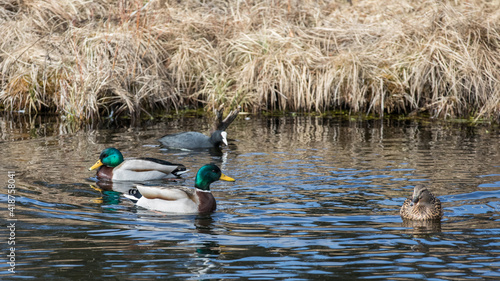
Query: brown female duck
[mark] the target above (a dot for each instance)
(421, 206)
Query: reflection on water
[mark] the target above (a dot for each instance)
(315, 198)
(422, 227)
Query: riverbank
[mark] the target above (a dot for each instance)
(85, 60)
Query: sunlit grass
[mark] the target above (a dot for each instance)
(84, 60)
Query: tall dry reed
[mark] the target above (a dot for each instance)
(85, 60)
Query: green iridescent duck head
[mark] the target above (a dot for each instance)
(110, 157)
(209, 174)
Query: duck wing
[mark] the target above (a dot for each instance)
(152, 164)
(166, 193)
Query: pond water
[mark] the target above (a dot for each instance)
(314, 199)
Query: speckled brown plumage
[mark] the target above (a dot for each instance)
(421, 206)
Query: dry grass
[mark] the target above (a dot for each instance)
(85, 59)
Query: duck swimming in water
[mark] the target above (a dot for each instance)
(113, 167)
(194, 140)
(183, 199)
(421, 206)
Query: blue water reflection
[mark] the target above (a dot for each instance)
(315, 199)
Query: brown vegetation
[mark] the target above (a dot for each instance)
(85, 59)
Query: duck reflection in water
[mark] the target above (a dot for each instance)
(422, 228)
(112, 191)
(207, 251)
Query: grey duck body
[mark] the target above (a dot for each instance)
(194, 140)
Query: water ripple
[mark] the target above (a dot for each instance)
(315, 199)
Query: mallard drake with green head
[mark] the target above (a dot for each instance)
(183, 199)
(113, 167)
(421, 206)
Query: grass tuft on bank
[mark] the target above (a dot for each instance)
(85, 60)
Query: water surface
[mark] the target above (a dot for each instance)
(315, 199)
